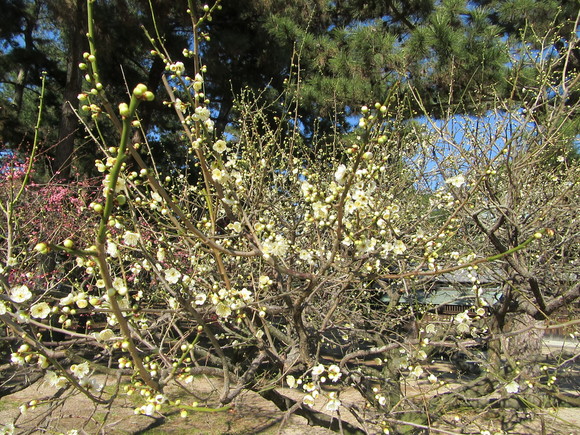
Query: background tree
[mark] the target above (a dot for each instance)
(451, 53)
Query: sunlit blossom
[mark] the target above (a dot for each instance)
(220, 146)
(200, 299)
(112, 249)
(20, 294)
(309, 386)
(245, 294)
(223, 310)
(80, 370)
(201, 114)
(91, 384)
(340, 174)
(317, 370)
(291, 381)
(130, 238)
(236, 226)
(148, 409)
(308, 400)
(513, 387)
(17, 359)
(276, 247)
(334, 373)
(40, 311)
(417, 371)
(55, 380)
(42, 362)
(217, 174)
(105, 334)
(333, 404)
(172, 275)
(457, 181)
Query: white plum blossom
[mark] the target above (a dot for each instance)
(148, 409)
(172, 275)
(333, 404)
(55, 380)
(265, 281)
(200, 299)
(513, 387)
(198, 82)
(457, 181)
(317, 370)
(179, 106)
(3, 309)
(112, 249)
(223, 310)
(91, 384)
(217, 174)
(105, 334)
(40, 311)
(334, 373)
(399, 247)
(462, 317)
(277, 246)
(245, 294)
(178, 68)
(119, 185)
(173, 304)
(80, 370)
(306, 189)
(417, 371)
(156, 197)
(17, 359)
(308, 400)
(430, 328)
(20, 294)
(201, 114)
(220, 146)
(67, 300)
(236, 226)
(130, 238)
(340, 174)
(291, 381)
(119, 285)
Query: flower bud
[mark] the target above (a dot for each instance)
(42, 248)
(139, 90)
(124, 110)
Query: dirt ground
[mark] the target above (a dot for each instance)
(251, 414)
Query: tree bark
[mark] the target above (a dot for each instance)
(68, 127)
